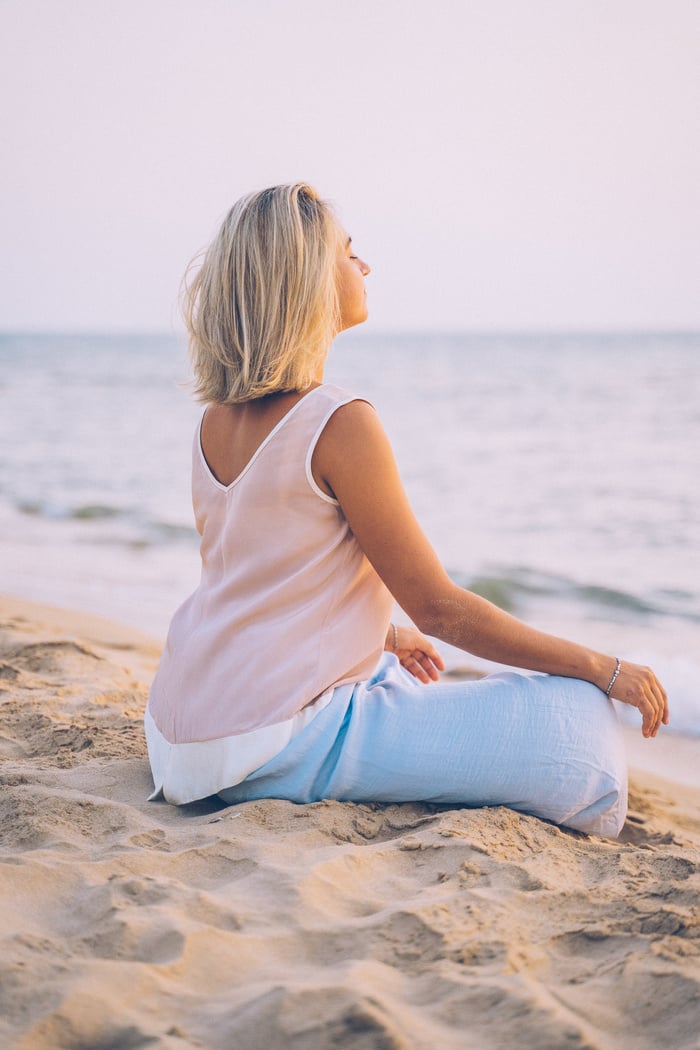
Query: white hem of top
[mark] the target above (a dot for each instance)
(186, 772)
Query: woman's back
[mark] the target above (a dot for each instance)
(288, 604)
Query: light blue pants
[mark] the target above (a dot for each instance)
(543, 745)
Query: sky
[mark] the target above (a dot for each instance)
(501, 164)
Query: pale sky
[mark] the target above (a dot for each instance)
(501, 164)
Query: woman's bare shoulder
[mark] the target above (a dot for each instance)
(352, 447)
(354, 417)
(353, 428)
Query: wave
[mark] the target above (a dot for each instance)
(57, 512)
(140, 529)
(95, 511)
(512, 588)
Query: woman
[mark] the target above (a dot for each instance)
(282, 675)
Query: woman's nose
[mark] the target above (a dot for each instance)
(365, 268)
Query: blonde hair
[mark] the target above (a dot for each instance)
(262, 309)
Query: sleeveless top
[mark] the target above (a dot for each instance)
(287, 609)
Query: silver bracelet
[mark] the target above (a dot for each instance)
(396, 637)
(616, 672)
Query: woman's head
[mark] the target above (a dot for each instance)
(263, 307)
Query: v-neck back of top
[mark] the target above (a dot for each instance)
(288, 605)
(279, 425)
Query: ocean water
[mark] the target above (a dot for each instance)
(558, 475)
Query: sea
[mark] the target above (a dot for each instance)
(556, 474)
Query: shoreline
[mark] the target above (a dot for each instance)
(127, 922)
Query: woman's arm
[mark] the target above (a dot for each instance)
(354, 461)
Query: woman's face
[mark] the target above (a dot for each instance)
(350, 278)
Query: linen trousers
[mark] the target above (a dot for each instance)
(540, 744)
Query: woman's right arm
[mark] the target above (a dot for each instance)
(353, 459)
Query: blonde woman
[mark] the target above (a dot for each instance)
(282, 675)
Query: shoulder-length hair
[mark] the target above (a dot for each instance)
(262, 309)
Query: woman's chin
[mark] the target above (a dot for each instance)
(353, 322)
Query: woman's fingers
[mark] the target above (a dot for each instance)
(408, 661)
(650, 722)
(422, 665)
(640, 687)
(429, 664)
(664, 703)
(427, 670)
(660, 703)
(416, 653)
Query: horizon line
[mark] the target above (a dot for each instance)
(402, 332)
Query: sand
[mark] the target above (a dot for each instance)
(129, 924)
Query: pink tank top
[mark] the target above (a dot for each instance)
(288, 605)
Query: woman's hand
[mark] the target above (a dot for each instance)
(415, 652)
(639, 687)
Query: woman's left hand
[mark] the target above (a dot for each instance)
(415, 652)
(639, 687)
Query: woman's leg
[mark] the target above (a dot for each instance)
(542, 745)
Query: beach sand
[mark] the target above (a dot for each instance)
(129, 924)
